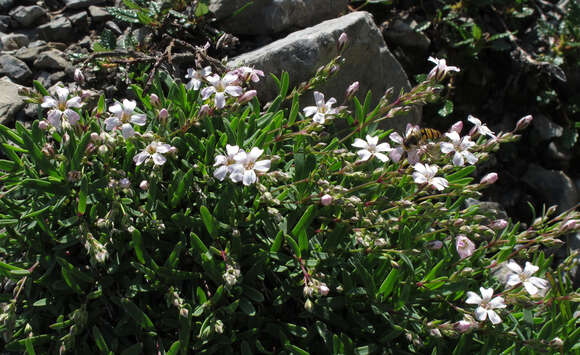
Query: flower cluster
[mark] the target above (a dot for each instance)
(241, 166)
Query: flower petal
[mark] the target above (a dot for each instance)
(139, 119)
(159, 159)
(480, 314)
(493, 317)
(309, 110)
(140, 158)
(221, 172)
(382, 157)
(163, 148)
(359, 143)
(72, 116)
(127, 131)
(262, 166)
(249, 177)
(486, 293)
(233, 90)
(473, 298)
(532, 290)
(220, 100)
(364, 155)
(319, 99)
(383, 147)
(513, 266)
(497, 302)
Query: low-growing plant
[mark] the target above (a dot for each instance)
(197, 221)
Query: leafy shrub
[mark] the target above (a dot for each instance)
(200, 221)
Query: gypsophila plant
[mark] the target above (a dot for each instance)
(196, 221)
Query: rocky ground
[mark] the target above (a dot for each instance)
(46, 40)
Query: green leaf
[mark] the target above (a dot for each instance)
(174, 349)
(447, 109)
(476, 32)
(209, 222)
(137, 314)
(40, 88)
(277, 241)
(303, 241)
(197, 243)
(433, 271)
(29, 346)
(83, 194)
(389, 283)
(304, 222)
(253, 294)
(201, 9)
(460, 174)
(247, 307)
(100, 340)
(80, 151)
(293, 245)
(295, 350)
(138, 245)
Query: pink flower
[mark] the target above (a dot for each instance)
(425, 174)
(221, 87)
(351, 90)
(479, 128)
(439, 72)
(531, 283)
(247, 73)
(464, 246)
(326, 200)
(247, 165)
(459, 146)
(196, 77)
(247, 96)
(225, 163)
(456, 127)
(489, 179)
(153, 151)
(62, 107)
(523, 123)
(123, 116)
(342, 40)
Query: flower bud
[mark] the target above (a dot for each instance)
(184, 312)
(342, 39)
(380, 242)
(203, 111)
(523, 123)
(219, 327)
(103, 150)
(498, 224)
(351, 90)
(79, 76)
(43, 125)
(489, 179)
(434, 245)
(456, 127)
(144, 185)
(326, 200)
(95, 137)
(307, 291)
(124, 183)
(308, 305)
(463, 326)
(323, 289)
(464, 246)
(163, 114)
(556, 342)
(154, 100)
(569, 225)
(247, 96)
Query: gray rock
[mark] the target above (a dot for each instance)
(403, 34)
(10, 102)
(36, 43)
(6, 4)
(27, 16)
(81, 4)
(99, 14)
(545, 129)
(30, 54)
(52, 59)
(14, 68)
(272, 16)
(80, 21)
(14, 41)
(5, 22)
(553, 186)
(367, 60)
(58, 30)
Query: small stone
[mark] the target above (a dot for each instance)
(52, 59)
(6, 5)
(14, 41)
(56, 77)
(5, 22)
(99, 14)
(26, 16)
(58, 30)
(85, 42)
(114, 27)
(14, 68)
(31, 53)
(10, 102)
(80, 21)
(81, 4)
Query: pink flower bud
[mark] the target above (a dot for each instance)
(351, 90)
(523, 123)
(456, 127)
(154, 99)
(43, 125)
(569, 225)
(203, 111)
(380, 242)
(489, 179)
(124, 183)
(464, 246)
(79, 76)
(463, 326)
(498, 224)
(323, 289)
(247, 96)
(326, 200)
(163, 114)
(434, 244)
(144, 185)
(342, 39)
(95, 137)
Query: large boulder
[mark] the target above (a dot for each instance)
(368, 61)
(58, 30)
(26, 16)
(554, 187)
(272, 16)
(10, 102)
(14, 68)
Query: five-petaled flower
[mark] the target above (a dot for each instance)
(62, 106)
(441, 69)
(225, 163)
(479, 128)
(425, 174)
(196, 77)
(221, 87)
(247, 73)
(486, 305)
(322, 110)
(369, 148)
(464, 246)
(154, 151)
(247, 165)
(123, 115)
(531, 283)
(413, 151)
(460, 146)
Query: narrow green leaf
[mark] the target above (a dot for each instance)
(174, 349)
(293, 245)
(460, 174)
(138, 245)
(29, 346)
(40, 88)
(100, 340)
(197, 243)
(303, 241)
(433, 271)
(247, 307)
(208, 221)
(137, 314)
(304, 221)
(277, 241)
(389, 283)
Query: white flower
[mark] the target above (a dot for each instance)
(225, 162)
(425, 174)
(61, 106)
(247, 73)
(123, 116)
(370, 148)
(246, 166)
(479, 127)
(155, 151)
(221, 87)
(531, 283)
(196, 77)
(322, 110)
(413, 152)
(441, 69)
(461, 148)
(486, 305)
